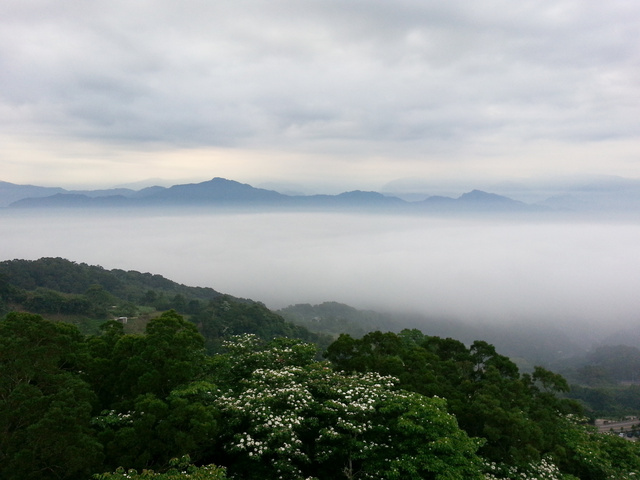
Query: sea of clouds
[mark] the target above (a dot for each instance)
(578, 274)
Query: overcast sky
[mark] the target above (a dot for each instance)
(333, 94)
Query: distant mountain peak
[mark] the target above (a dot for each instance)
(482, 196)
(361, 194)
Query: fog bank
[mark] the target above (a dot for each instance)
(577, 274)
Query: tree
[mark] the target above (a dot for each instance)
(100, 299)
(169, 354)
(483, 389)
(149, 408)
(45, 406)
(226, 317)
(297, 418)
(157, 429)
(594, 456)
(181, 469)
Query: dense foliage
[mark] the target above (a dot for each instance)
(45, 405)
(72, 405)
(521, 416)
(605, 380)
(162, 401)
(225, 317)
(180, 469)
(88, 295)
(68, 277)
(290, 416)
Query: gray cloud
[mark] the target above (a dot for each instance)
(320, 75)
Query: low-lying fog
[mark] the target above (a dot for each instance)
(566, 273)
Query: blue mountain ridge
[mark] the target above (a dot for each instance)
(221, 192)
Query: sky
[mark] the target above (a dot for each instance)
(326, 95)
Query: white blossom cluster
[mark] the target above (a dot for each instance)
(283, 405)
(296, 411)
(205, 472)
(247, 354)
(111, 418)
(545, 469)
(240, 343)
(274, 403)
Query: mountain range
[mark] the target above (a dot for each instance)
(220, 192)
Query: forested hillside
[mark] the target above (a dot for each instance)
(231, 390)
(61, 286)
(87, 296)
(528, 344)
(606, 380)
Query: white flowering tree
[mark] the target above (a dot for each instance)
(290, 417)
(180, 469)
(545, 469)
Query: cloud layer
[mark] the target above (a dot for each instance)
(400, 88)
(576, 275)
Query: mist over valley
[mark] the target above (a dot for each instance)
(577, 276)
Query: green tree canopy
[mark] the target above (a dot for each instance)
(483, 389)
(181, 469)
(296, 418)
(45, 406)
(149, 408)
(169, 354)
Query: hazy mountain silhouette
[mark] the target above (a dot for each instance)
(10, 192)
(218, 192)
(621, 196)
(476, 201)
